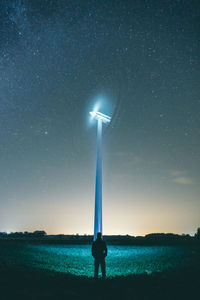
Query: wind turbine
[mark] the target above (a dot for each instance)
(101, 118)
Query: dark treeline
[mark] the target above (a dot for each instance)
(149, 239)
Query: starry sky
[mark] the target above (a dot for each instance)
(139, 61)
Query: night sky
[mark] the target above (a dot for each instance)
(139, 61)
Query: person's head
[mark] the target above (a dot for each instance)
(99, 236)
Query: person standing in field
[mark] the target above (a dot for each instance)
(99, 252)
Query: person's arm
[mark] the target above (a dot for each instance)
(105, 250)
(93, 250)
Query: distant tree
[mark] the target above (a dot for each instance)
(60, 236)
(16, 234)
(26, 233)
(186, 236)
(3, 234)
(197, 234)
(39, 233)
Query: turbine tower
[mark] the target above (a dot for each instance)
(101, 118)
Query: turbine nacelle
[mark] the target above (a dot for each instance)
(99, 116)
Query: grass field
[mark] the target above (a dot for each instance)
(19, 282)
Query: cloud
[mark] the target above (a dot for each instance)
(181, 177)
(183, 180)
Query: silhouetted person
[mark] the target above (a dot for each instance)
(99, 252)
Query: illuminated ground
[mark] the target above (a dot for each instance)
(42, 272)
(121, 260)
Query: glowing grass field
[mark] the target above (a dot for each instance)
(121, 260)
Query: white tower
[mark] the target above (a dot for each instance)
(101, 118)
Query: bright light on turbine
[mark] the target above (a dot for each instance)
(99, 116)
